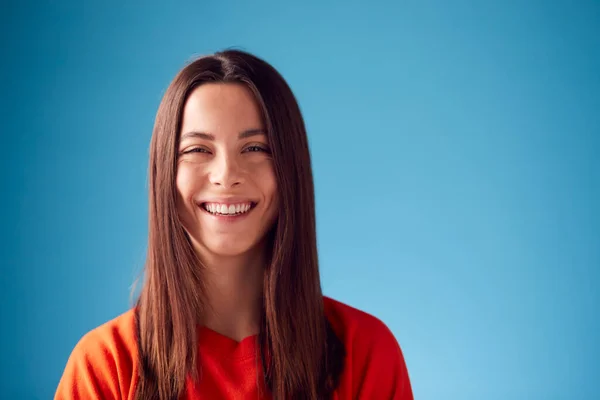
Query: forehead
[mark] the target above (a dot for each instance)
(221, 108)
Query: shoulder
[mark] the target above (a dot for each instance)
(117, 332)
(357, 327)
(103, 362)
(114, 339)
(374, 365)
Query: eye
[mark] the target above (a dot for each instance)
(196, 150)
(257, 148)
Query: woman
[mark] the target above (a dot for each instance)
(231, 306)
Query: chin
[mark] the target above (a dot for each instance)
(228, 249)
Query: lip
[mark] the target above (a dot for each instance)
(227, 200)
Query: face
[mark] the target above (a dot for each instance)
(227, 191)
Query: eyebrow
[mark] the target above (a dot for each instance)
(208, 136)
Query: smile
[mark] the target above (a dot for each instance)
(228, 209)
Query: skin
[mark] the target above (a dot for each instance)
(224, 157)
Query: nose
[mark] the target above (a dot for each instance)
(225, 172)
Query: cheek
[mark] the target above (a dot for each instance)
(268, 183)
(186, 181)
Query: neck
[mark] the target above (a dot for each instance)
(234, 288)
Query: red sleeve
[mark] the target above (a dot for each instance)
(99, 367)
(383, 374)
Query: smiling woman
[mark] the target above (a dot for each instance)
(231, 306)
(225, 176)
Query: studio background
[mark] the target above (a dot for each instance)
(456, 158)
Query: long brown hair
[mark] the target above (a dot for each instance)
(305, 358)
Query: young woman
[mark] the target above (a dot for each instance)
(231, 306)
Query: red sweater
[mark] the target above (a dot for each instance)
(103, 364)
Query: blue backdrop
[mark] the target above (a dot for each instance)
(456, 158)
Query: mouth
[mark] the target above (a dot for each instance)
(229, 209)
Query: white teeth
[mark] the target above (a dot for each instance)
(224, 209)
